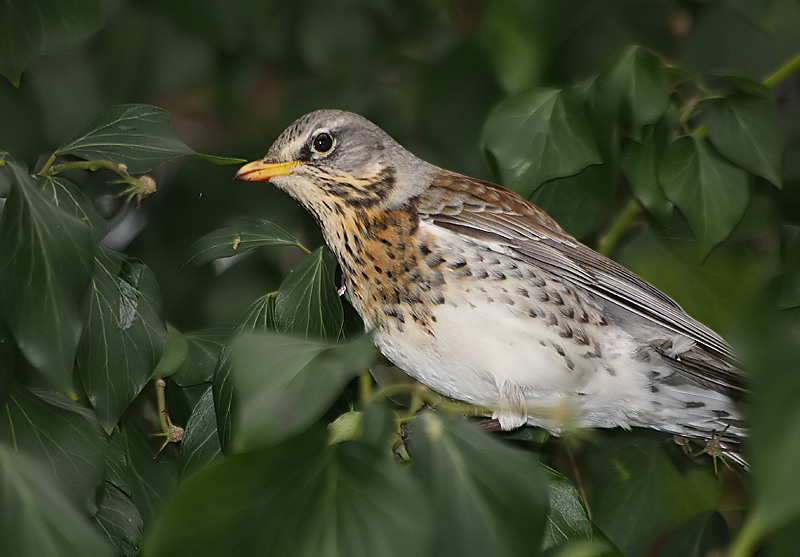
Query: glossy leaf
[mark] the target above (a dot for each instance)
(702, 536)
(710, 192)
(488, 498)
(120, 520)
(67, 195)
(301, 498)
(124, 336)
(634, 89)
(201, 358)
(237, 239)
(639, 493)
(37, 518)
(259, 318)
(747, 130)
(283, 384)
(640, 163)
(137, 135)
(307, 303)
(567, 520)
(152, 479)
(579, 203)
(539, 135)
(45, 267)
(61, 435)
(30, 28)
(200, 445)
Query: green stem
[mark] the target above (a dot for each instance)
(50, 169)
(746, 541)
(783, 72)
(619, 227)
(47, 165)
(161, 401)
(303, 248)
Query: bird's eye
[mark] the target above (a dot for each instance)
(322, 143)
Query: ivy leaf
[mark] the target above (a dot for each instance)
(137, 135)
(539, 135)
(32, 28)
(259, 317)
(567, 520)
(60, 434)
(45, 267)
(635, 89)
(121, 521)
(639, 493)
(710, 192)
(704, 535)
(490, 499)
(640, 163)
(307, 303)
(354, 499)
(284, 384)
(152, 480)
(237, 239)
(124, 337)
(67, 195)
(200, 360)
(747, 130)
(36, 518)
(200, 444)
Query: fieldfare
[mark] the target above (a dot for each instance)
(482, 296)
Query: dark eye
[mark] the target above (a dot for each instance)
(322, 143)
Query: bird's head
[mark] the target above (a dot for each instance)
(334, 158)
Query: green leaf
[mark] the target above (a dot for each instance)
(201, 358)
(237, 239)
(137, 135)
(790, 277)
(308, 303)
(259, 317)
(539, 135)
(45, 267)
(489, 499)
(67, 195)
(705, 289)
(567, 520)
(124, 336)
(152, 479)
(640, 163)
(284, 384)
(36, 518)
(579, 203)
(710, 192)
(120, 520)
(638, 493)
(30, 28)
(200, 444)
(220, 160)
(60, 434)
(635, 89)
(302, 498)
(771, 353)
(704, 535)
(747, 130)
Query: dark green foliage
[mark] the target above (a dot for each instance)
(664, 133)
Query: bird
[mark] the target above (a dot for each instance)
(479, 294)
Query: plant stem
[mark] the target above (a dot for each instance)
(783, 72)
(745, 542)
(619, 227)
(50, 169)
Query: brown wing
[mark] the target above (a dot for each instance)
(490, 213)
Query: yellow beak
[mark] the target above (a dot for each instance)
(258, 171)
